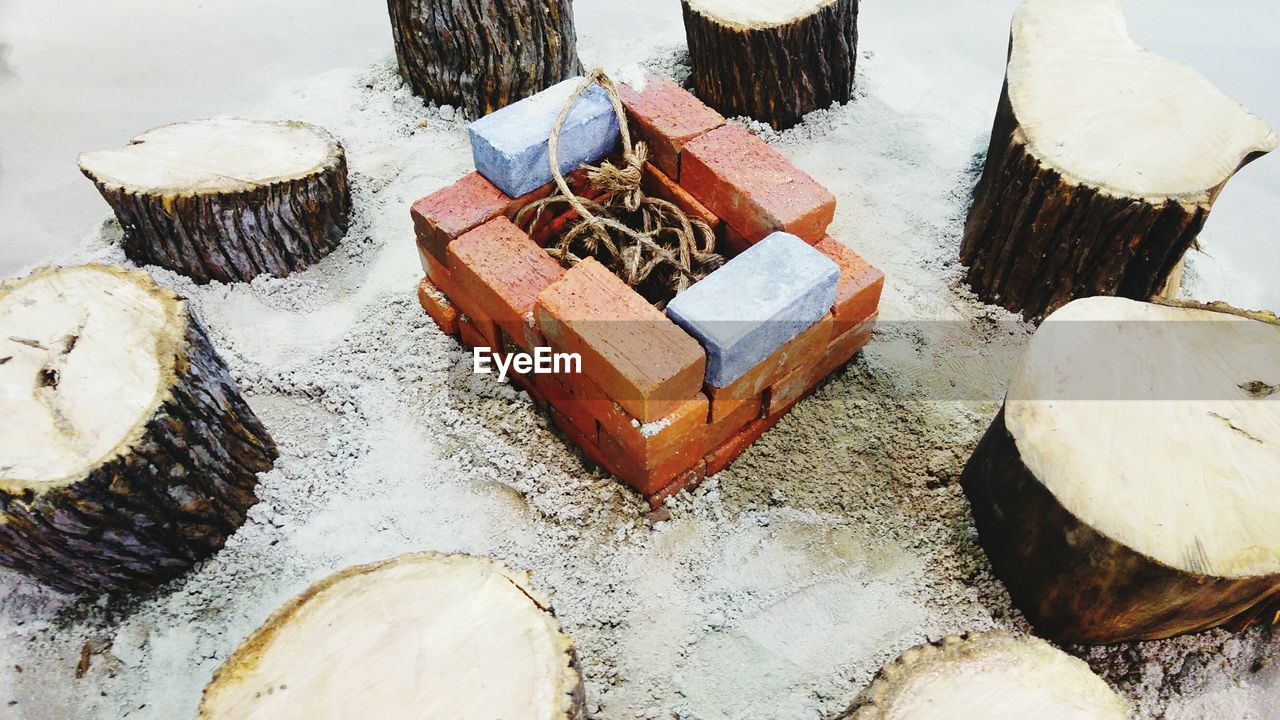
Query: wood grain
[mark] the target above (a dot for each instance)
(482, 55)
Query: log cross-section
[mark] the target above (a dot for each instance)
(1104, 162)
(994, 675)
(772, 60)
(482, 55)
(227, 199)
(127, 453)
(419, 636)
(1130, 487)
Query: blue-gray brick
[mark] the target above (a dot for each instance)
(755, 304)
(509, 146)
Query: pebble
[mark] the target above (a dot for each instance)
(658, 516)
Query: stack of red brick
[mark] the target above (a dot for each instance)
(639, 408)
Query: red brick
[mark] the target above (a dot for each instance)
(688, 481)
(443, 279)
(656, 183)
(723, 456)
(666, 116)
(578, 413)
(651, 444)
(655, 477)
(447, 213)
(858, 291)
(844, 346)
(610, 416)
(532, 383)
(531, 339)
(471, 335)
(722, 429)
(502, 270)
(469, 203)
(789, 389)
(727, 438)
(648, 480)
(584, 445)
(437, 273)
(803, 349)
(631, 350)
(438, 307)
(722, 407)
(753, 188)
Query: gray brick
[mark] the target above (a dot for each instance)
(755, 304)
(509, 146)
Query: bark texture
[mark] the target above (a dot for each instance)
(1036, 240)
(482, 55)
(151, 512)
(775, 74)
(275, 229)
(1077, 585)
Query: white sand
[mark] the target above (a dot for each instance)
(775, 591)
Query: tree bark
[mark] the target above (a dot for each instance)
(370, 640)
(1118, 534)
(234, 232)
(993, 674)
(1036, 240)
(168, 496)
(482, 55)
(773, 72)
(1109, 204)
(1074, 583)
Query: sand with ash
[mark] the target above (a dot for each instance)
(776, 590)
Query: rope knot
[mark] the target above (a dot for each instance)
(624, 182)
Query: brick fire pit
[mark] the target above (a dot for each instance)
(663, 399)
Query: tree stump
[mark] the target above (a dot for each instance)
(420, 636)
(1104, 162)
(128, 453)
(227, 199)
(1130, 487)
(482, 55)
(772, 60)
(993, 675)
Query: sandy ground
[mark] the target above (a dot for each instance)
(779, 587)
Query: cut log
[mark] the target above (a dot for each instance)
(482, 55)
(419, 636)
(987, 676)
(1130, 487)
(1104, 162)
(772, 60)
(227, 199)
(127, 453)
